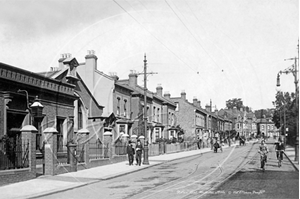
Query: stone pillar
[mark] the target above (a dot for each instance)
(125, 138)
(85, 134)
(28, 134)
(72, 155)
(142, 139)
(133, 139)
(146, 151)
(108, 153)
(50, 153)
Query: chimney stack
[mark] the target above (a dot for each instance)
(167, 95)
(207, 108)
(61, 65)
(183, 95)
(159, 90)
(91, 60)
(114, 76)
(133, 79)
(199, 103)
(195, 101)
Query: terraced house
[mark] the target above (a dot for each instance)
(160, 111)
(191, 117)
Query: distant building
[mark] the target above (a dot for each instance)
(265, 126)
(191, 117)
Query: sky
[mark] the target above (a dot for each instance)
(212, 49)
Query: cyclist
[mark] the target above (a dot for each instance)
(263, 150)
(279, 148)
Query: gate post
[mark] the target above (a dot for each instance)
(50, 150)
(72, 155)
(84, 137)
(28, 133)
(108, 144)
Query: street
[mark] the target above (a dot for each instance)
(190, 177)
(251, 182)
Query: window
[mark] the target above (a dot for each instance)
(158, 115)
(122, 128)
(172, 134)
(177, 106)
(59, 128)
(157, 132)
(118, 106)
(79, 113)
(125, 108)
(154, 111)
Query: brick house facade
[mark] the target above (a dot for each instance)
(191, 117)
(56, 97)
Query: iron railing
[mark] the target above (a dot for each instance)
(96, 149)
(80, 151)
(120, 148)
(13, 153)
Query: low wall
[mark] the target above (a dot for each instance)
(153, 149)
(15, 175)
(106, 161)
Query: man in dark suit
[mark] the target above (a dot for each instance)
(130, 152)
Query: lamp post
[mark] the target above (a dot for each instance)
(293, 69)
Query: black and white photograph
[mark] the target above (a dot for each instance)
(149, 99)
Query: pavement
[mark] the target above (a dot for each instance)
(45, 185)
(290, 154)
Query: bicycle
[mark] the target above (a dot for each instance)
(279, 154)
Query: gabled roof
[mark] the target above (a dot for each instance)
(264, 121)
(124, 86)
(56, 74)
(164, 100)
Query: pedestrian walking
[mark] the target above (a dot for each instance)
(216, 146)
(221, 145)
(199, 143)
(138, 151)
(130, 152)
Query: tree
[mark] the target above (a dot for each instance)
(264, 113)
(238, 103)
(285, 104)
(235, 102)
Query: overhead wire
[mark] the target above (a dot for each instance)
(191, 33)
(219, 47)
(154, 36)
(228, 58)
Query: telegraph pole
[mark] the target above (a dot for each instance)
(294, 71)
(145, 73)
